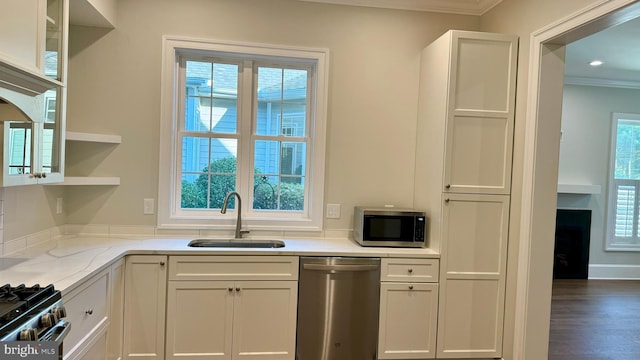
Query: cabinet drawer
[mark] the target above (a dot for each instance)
(87, 309)
(411, 270)
(233, 268)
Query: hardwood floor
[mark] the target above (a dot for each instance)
(595, 320)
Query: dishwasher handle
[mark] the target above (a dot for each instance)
(339, 268)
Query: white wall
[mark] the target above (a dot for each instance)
(114, 87)
(584, 157)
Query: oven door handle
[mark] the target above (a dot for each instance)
(60, 331)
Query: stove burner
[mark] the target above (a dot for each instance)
(18, 303)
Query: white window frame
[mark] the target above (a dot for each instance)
(170, 215)
(612, 242)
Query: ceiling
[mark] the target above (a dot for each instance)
(618, 47)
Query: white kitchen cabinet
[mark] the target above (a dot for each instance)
(88, 309)
(463, 182)
(145, 288)
(466, 111)
(472, 282)
(33, 77)
(238, 309)
(116, 317)
(408, 309)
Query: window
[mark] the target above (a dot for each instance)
(247, 118)
(623, 223)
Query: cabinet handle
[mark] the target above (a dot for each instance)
(237, 289)
(410, 270)
(230, 289)
(447, 200)
(161, 263)
(89, 312)
(448, 186)
(410, 287)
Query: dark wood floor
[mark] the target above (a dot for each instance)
(595, 320)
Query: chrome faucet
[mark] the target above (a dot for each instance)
(239, 232)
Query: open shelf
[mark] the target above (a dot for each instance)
(89, 180)
(90, 137)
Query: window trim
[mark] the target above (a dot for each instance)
(611, 244)
(168, 217)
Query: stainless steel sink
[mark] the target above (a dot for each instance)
(236, 243)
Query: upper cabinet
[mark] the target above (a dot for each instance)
(33, 66)
(472, 120)
(33, 53)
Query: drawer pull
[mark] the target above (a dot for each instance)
(89, 312)
(410, 270)
(161, 263)
(410, 287)
(237, 289)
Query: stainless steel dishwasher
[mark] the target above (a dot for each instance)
(338, 302)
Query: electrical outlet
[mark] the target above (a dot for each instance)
(58, 205)
(333, 211)
(149, 206)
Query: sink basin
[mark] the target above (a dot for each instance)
(236, 243)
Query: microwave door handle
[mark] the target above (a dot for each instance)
(339, 268)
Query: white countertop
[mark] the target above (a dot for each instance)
(67, 261)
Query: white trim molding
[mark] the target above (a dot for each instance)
(463, 7)
(614, 272)
(589, 81)
(531, 332)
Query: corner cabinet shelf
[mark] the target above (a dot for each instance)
(92, 180)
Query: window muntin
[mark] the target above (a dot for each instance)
(243, 119)
(623, 224)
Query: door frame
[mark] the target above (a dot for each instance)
(540, 167)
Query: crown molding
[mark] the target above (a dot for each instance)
(588, 81)
(463, 7)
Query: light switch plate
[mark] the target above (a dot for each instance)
(149, 206)
(333, 211)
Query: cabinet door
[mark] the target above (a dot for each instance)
(144, 307)
(472, 277)
(264, 316)
(20, 45)
(199, 319)
(480, 116)
(408, 313)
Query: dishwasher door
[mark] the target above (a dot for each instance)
(338, 305)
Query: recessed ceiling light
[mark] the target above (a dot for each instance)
(596, 63)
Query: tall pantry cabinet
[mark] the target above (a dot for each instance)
(463, 182)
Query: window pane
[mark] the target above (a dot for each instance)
(209, 165)
(199, 78)
(265, 192)
(211, 100)
(292, 161)
(20, 148)
(282, 102)
(291, 194)
(279, 181)
(625, 208)
(627, 161)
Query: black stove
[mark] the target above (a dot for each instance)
(29, 312)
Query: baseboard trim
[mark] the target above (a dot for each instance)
(614, 272)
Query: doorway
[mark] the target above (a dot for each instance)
(542, 139)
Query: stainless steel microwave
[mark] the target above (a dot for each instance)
(389, 227)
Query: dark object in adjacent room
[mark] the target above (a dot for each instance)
(571, 254)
